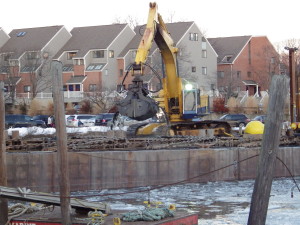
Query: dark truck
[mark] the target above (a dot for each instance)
(15, 120)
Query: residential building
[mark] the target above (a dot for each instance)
(90, 59)
(245, 64)
(25, 60)
(197, 60)
(3, 37)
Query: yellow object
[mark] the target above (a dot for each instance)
(172, 207)
(117, 221)
(294, 126)
(254, 127)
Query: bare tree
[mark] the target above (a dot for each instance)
(39, 71)
(284, 54)
(103, 99)
(131, 21)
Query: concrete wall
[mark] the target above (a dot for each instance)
(121, 169)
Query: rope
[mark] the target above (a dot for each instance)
(20, 209)
(149, 214)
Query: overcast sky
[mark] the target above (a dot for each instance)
(277, 19)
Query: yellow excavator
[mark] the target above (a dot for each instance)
(180, 105)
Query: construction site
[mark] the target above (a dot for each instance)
(175, 150)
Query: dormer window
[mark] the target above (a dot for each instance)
(98, 54)
(227, 58)
(70, 55)
(32, 55)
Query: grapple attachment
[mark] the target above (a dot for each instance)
(137, 105)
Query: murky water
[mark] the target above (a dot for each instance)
(214, 201)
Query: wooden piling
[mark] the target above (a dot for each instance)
(268, 152)
(61, 138)
(3, 170)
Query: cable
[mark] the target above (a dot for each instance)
(289, 173)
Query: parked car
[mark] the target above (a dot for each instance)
(41, 117)
(103, 118)
(236, 120)
(81, 120)
(261, 118)
(18, 120)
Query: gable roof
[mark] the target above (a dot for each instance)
(228, 48)
(177, 30)
(28, 39)
(85, 39)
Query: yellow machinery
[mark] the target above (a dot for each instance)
(179, 104)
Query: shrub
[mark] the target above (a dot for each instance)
(219, 105)
(251, 105)
(70, 109)
(233, 105)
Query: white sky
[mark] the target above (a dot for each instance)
(276, 19)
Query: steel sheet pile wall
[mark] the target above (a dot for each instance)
(122, 169)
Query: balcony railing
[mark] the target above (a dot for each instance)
(48, 95)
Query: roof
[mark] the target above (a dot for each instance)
(228, 48)
(85, 39)
(76, 80)
(177, 30)
(28, 39)
(12, 81)
(249, 82)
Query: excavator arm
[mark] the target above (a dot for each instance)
(138, 105)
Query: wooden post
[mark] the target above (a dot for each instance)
(292, 68)
(61, 138)
(3, 170)
(268, 153)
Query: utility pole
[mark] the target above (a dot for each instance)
(268, 152)
(292, 69)
(3, 170)
(61, 139)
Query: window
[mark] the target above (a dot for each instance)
(249, 74)
(193, 37)
(92, 87)
(95, 67)
(6, 57)
(32, 55)
(221, 74)
(204, 45)
(27, 88)
(70, 55)
(194, 69)
(204, 54)
(134, 53)
(78, 61)
(227, 58)
(121, 72)
(67, 68)
(77, 87)
(238, 88)
(111, 54)
(238, 74)
(204, 70)
(21, 34)
(273, 60)
(98, 54)
(65, 88)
